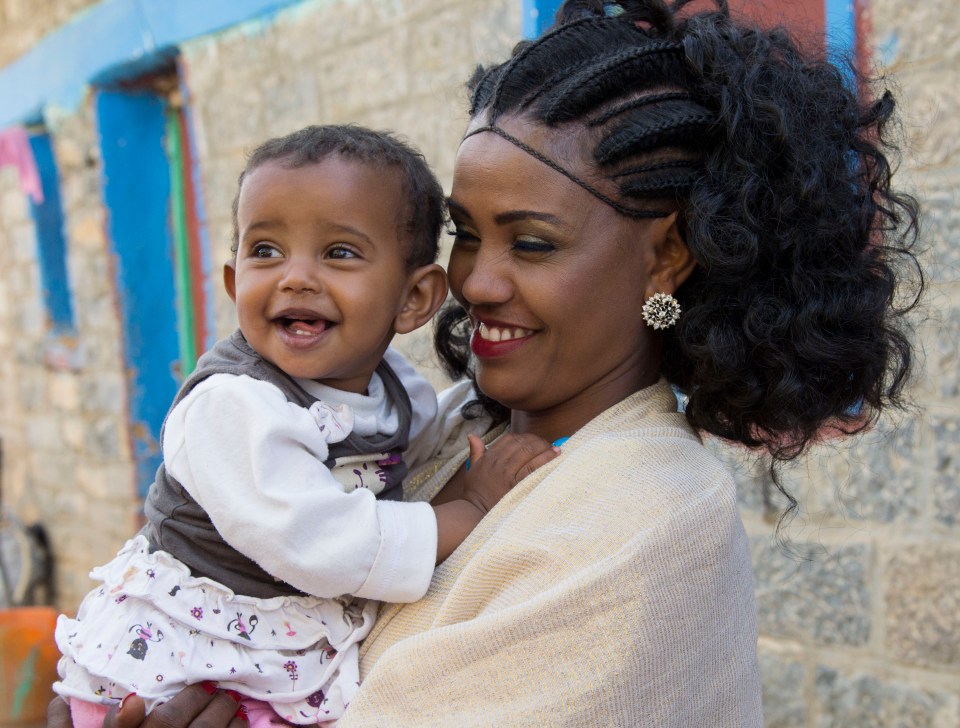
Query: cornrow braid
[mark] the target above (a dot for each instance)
(673, 164)
(667, 184)
(600, 79)
(636, 136)
(637, 103)
(638, 89)
(521, 60)
(550, 83)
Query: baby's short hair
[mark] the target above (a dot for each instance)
(423, 216)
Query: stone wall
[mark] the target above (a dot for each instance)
(859, 613)
(66, 453)
(24, 22)
(859, 610)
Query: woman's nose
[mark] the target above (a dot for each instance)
(486, 279)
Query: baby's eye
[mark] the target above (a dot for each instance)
(264, 250)
(342, 252)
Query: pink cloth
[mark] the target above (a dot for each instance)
(261, 715)
(91, 715)
(15, 151)
(87, 715)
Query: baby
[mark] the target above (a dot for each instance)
(276, 521)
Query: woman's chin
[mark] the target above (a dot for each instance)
(510, 394)
(515, 393)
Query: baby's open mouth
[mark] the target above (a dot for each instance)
(303, 326)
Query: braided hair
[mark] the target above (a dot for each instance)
(779, 173)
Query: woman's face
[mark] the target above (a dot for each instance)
(553, 280)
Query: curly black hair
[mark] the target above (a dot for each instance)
(424, 212)
(779, 169)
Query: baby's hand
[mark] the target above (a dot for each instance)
(490, 474)
(493, 471)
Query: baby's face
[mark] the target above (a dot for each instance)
(320, 272)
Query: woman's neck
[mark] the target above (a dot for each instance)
(568, 417)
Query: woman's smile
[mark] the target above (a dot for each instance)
(491, 339)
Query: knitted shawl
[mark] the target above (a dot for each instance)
(612, 587)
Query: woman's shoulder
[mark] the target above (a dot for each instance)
(636, 471)
(627, 483)
(645, 435)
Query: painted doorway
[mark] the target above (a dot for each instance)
(159, 267)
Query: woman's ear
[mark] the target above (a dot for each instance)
(230, 279)
(426, 292)
(672, 260)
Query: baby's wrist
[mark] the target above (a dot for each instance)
(455, 520)
(476, 503)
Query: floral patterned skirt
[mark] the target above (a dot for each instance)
(152, 629)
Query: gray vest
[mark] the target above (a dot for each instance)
(178, 525)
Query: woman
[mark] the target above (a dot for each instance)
(631, 160)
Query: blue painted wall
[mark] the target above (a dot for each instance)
(136, 190)
(110, 38)
(537, 16)
(841, 30)
(51, 246)
(841, 25)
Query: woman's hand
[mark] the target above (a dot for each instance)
(196, 706)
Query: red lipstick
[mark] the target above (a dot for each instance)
(486, 349)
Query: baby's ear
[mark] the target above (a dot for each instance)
(426, 292)
(230, 279)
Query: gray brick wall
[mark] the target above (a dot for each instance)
(861, 629)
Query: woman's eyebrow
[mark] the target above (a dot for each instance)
(516, 215)
(456, 207)
(505, 218)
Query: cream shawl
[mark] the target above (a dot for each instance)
(612, 587)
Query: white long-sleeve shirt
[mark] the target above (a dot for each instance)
(254, 462)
